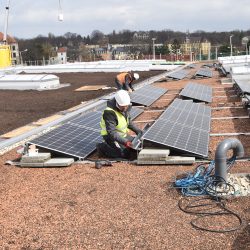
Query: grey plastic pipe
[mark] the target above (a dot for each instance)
(221, 155)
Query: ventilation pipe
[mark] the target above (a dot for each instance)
(221, 155)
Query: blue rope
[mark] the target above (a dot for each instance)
(194, 184)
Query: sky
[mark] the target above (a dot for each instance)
(30, 18)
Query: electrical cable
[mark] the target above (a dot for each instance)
(213, 204)
(203, 182)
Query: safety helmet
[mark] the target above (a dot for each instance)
(122, 98)
(136, 76)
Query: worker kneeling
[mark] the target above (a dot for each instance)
(115, 124)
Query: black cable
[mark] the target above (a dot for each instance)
(203, 211)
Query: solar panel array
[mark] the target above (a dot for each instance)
(184, 126)
(178, 75)
(147, 95)
(204, 73)
(197, 92)
(77, 137)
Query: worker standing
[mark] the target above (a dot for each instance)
(125, 80)
(115, 125)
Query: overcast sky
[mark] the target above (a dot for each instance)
(30, 18)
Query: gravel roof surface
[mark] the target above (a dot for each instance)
(120, 207)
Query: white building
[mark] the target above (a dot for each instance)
(62, 55)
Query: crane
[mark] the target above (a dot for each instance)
(60, 18)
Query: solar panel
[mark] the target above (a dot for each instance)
(90, 120)
(180, 137)
(192, 65)
(70, 139)
(134, 112)
(197, 92)
(178, 75)
(204, 73)
(243, 85)
(183, 126)
(147, 95)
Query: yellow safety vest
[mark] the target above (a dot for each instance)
(121, 127)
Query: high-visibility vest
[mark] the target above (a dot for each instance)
(121, 127)
(121, 77)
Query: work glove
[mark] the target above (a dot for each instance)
(128, 144)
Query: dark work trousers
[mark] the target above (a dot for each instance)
(113, 149)
(119, 86)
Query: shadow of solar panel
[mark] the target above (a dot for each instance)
(70, 139)
(179, 137)
(204, 73)
(147, 95)
(178, 75)
(198, 92)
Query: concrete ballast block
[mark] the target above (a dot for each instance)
(39, 158)
(153, 154)
(171, 160)
(55, 162)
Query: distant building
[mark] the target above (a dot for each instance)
(15, 55)
(62, 55)
(141, 35)
(192, 48)
(195, 45)
(120, 53)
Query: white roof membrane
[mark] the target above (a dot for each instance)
(26, 82)
(100, 66)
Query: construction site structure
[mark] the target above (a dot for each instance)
(5, 56)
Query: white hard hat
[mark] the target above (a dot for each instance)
(122, 98)
(136, 76)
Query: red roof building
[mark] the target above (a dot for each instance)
(14, 48)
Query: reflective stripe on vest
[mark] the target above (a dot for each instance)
(121, 127)
(121, 78)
